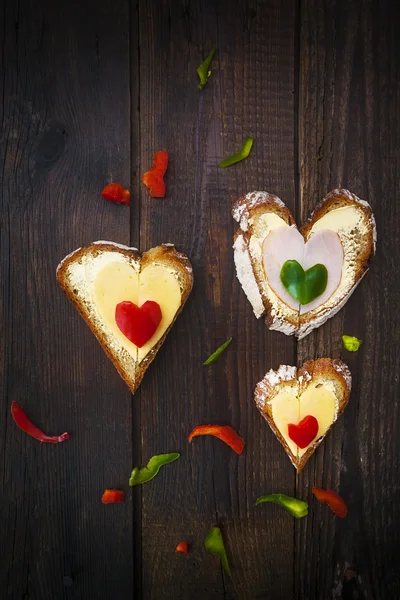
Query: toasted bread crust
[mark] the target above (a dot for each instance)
(247, 211)
(165, 255)
(266, 389)
(280, 316)
(323, 370)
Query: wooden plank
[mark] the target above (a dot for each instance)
(65, 133)
(250, 92)
(349, 132)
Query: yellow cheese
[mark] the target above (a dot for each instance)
(345, 218)
(264, 223)
(285, 410)
(162, 286)
(117, 281)
(321, 404)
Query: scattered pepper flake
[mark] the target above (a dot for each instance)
(214, 544)
(241, 155)
(215, 355)
(114, 192)
(182, 547)
(154, 179)
(26, 425)
(222, 432)
(351, 343)
(333, 500)
(155, 463)
(113, 497)
(203, 70)
(297, 508)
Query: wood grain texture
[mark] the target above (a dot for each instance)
(64, 136)
(349, 131)
(88, 92)
(252, 82)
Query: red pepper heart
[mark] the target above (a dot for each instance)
(304, 432)
(138, 324)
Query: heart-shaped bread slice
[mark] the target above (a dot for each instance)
(340, 235)
(292, 400)
(117, 290)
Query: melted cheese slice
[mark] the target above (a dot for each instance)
(118, 281)
(158, 284)
(114, 283)
(288, 407)
(321, 404)
(341, 219)
(285, 410)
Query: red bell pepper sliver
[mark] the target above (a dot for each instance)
(28, 427)
(182, 547)
(223, 432)
(113, 497)
(333, 500)
(114, 192)
(154, 179)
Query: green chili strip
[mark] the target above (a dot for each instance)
(241, 155)
(215, 355)
(297, 508)
(351, 343)
(139, 476)
(203, 70)
(215, 545)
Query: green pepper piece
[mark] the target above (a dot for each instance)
(215, 355)
(303, 285)
(241, 155)
(214, 544)
(297, 508)
(139, 476)
(351, 343)
(203, 70)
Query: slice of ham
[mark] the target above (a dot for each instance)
(287, 243)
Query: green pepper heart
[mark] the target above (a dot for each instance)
(304, 285)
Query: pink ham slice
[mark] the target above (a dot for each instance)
(287, 243)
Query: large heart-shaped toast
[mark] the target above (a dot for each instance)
(302, 405)
(339, 236)
(130, 301)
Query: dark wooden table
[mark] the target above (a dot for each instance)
(90, 89)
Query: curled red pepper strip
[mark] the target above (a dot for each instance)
(154, 179)
(333, 500)
(113, 497)
(222, 432)
(182, 547)
(114, 192)
(28, 427)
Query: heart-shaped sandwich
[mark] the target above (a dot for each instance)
(302, 405)
(130, 301)
(301, 279)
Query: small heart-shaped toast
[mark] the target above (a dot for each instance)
(301, 406)
(333, 251)
(130, 301)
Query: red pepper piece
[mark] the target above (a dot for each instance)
(114, 192)
(28, 427)
(138, 324)
(113, 497)
(333, 500)
(304, 432)
(154, 179)
(223, 432)
(182, 547)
